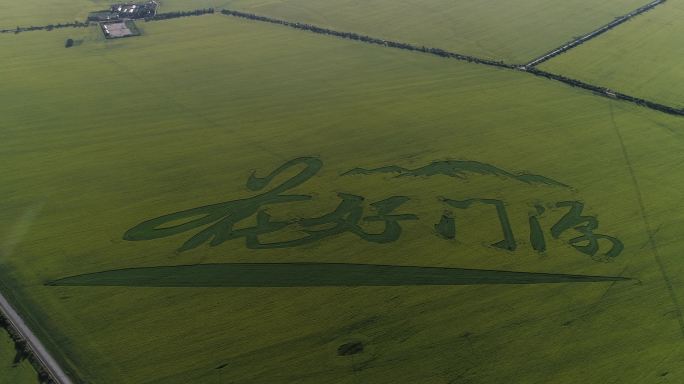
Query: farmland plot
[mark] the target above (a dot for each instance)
(643, 57)
(216, 141)
(512, 31)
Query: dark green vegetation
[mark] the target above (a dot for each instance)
(446, 227)
(10, 372)
(508, 242)
(227, 219)
(312, 275)
(14, 366)
(351, 348)
(99, 139)
(537, 238)
(48, 27)
(586, 243)
(225, 216)
(177, 14)
(456, 168)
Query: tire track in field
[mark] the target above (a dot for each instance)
(647, 226)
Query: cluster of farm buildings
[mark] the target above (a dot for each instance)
(117, 21)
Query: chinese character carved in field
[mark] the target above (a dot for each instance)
(586, 243)
(347, 217)
(218, 223)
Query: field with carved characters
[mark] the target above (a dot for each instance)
(224, 200)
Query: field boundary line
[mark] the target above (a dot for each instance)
(596, 89)
(48, 27)
(647, 226)
(595, 33)
(370, 40)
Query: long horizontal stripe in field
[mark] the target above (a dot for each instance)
(313, 275)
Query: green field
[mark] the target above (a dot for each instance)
(35, 12)
(215, 140)
(514, 31)
(642, 57)
(9, 373)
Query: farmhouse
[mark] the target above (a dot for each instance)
(117, 21)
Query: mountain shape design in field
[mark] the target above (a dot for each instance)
(459, 169)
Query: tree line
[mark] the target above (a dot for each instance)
(368, 39)
(595, 33)
(177, 14)
(442, 53)
(49, 27)
(607, 92)
(23, 352)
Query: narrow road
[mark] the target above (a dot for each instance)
(40, 352)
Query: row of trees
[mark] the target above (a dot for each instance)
(174, 15)
(607, 92)
(23, 352)
(581, 40)
(368, 39)
(49, 27)
(442, 53)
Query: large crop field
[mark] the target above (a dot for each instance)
(642, 58)
(35, 12)
(228, 201)
(514, 31)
